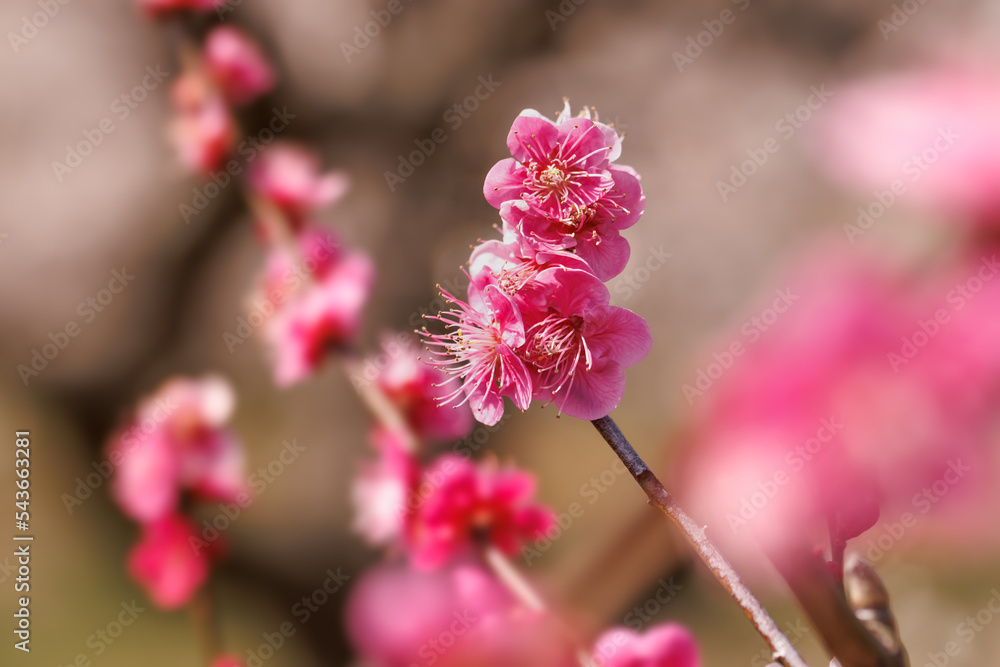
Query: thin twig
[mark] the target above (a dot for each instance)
(203, 617)
(706, 550)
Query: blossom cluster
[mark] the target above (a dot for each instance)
(176, 447)
(313, 289)
(537, 323)
(230, 71)
(441, 510)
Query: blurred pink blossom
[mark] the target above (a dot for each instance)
(203, 129)
(415, 388)
(397, 616)
(384, 489)
(518, 637)
(159, 8)
(667, 645)
(166, 565)
(933, 132)
(323, 314)
(237, 65)
(287, 177)
(228, 661)
(471, 504)
(834, 411)
(177, 441)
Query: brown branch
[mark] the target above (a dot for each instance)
(706, 550)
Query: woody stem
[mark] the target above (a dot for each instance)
(706, 550)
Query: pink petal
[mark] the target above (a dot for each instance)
(619, 334)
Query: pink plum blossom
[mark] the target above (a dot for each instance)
(834, 412)
(478, 351)
(592, 231)
(579, 347)
(518, 637)
(203, 130)
(177, 441)
(287, 176)
(667, 645)
(323, 315)
(159, 8)
(471, 504)
(228, 661)
(415, 388)
(384, 489)
(237, 65)
(394, 611)
(538, 330)
(559, 167)
(165, 564)
(931, 131)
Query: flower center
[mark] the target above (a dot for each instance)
(551, 178)
(556, 348)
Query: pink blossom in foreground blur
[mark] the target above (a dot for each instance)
(415, 389)
(834, 411)
(228, 661)
(397, 616)
(323, 314)
(158, 8)
(237, 65)
(177, 441)
(519, 637)
(203, 131)
(384, 489)
(933, 132)
(165, 564)
(667, 645)
(287, 177)
(473, 504)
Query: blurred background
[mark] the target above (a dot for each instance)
(705, 258)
